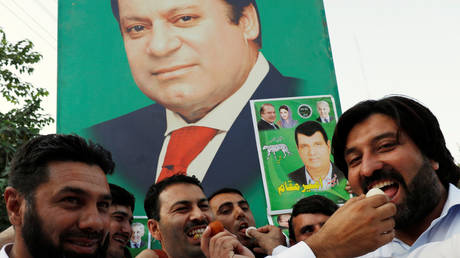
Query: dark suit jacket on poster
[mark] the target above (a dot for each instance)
(136, 139)
(263, 125)
(331, 118)
(142, 244)
(300, 178)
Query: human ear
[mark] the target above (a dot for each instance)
(14, 202)
(154, 229)
(249, 22)
(434, 164)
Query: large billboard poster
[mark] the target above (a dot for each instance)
(130, 75)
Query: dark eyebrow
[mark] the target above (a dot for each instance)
(203, 200)
(178, 9)
(79, 191)
(183, 202)
(374, 140)
(243, 202)
(122, 213)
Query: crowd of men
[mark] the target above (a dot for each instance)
(61, 205)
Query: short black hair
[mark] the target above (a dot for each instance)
(235, 15)
(121, 197)
(411, 117)
(311, 204)
(152, 198)
(309, 128)
(225, 190)
(29, 167)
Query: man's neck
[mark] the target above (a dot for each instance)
(318, 173)
(410, 234)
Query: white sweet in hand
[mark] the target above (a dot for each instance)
(250, 228)
(374, 191)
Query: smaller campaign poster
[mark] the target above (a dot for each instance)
(293, 137)
(141, 238)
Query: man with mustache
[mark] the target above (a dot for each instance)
(178, 213)
(231, 208)
(199, 60)
(359, 226)
(396, 144)
(121, 216)
(58, 198)
(314, 149)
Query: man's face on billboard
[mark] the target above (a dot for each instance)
(138, 233)
(314, 151)
(268, 114)
(323, 109)
(187, 55)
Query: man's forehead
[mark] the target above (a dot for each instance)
(309, 218)
(131, 8)
(181, 192)
(374, 126)
(315, 136)
(120, 209)
(225, 198)
(78, 178)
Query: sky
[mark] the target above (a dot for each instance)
(379, 47)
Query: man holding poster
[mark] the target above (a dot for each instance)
(200, 61)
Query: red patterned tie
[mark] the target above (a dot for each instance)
(184, 145)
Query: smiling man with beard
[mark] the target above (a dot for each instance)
(178, 213)
(395, 144)
(121, 216)
(58, 198)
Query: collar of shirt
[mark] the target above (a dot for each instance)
(329, 174)
(272, 124)
(224, 114)
(5, 251)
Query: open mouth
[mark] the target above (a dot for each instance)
(389, 187)
(122, 239)
(242, 228)
(196, 232)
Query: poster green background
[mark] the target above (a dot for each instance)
(277, 169)
(95, 83)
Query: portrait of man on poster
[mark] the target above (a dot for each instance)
(199, 61)
(314, 149)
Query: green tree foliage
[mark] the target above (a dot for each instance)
(25, 118)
